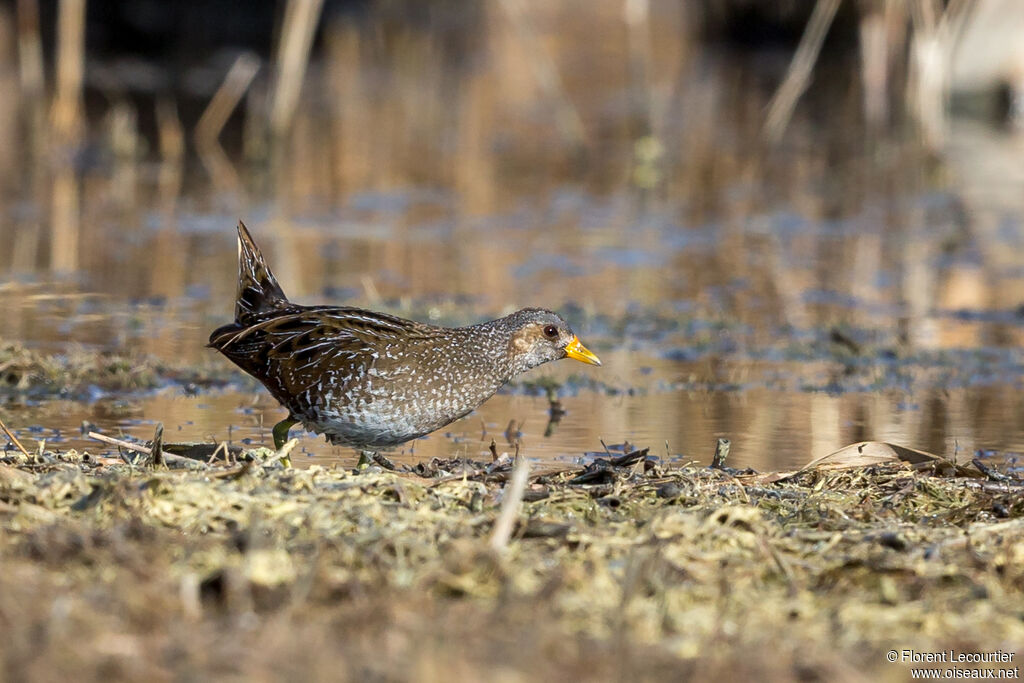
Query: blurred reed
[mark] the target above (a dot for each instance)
(419, 160)
(30, 51)
(493, 115)
(171, 135)
(125, 145)
(67, 129)
(296, 39)
(567, 118)
(937, 47)
(31, 100)
(881, 25)
(780, 109)
(215, 116)
(30, 70)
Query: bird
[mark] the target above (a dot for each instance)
(370, 380)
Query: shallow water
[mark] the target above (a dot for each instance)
(770, 425)
(712, 273)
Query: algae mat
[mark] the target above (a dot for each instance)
(632, 572)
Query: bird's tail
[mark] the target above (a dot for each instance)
(258, 290)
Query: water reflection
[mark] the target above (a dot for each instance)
(769, 429)
(514, 160)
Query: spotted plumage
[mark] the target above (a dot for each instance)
(372, 380)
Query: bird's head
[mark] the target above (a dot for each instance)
(539, 336)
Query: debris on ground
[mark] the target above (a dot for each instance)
(627, 568)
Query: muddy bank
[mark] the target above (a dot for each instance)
(81, 373)
(638, 571)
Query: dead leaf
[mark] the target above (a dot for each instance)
(868, 453)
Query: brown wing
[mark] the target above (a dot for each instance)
(298, 349)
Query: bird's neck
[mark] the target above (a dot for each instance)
(491, 340)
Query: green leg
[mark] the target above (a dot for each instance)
(365, 459)
(281, 436)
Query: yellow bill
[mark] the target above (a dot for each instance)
(578, 351)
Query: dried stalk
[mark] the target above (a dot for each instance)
(13, 439)
(216, 115)
(139, 448)
(780, 109)
(300, 20)
(513, 496)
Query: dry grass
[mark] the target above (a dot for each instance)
(262, 573)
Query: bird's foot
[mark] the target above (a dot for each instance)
(281, 438)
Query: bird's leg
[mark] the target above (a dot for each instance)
(365, 459)
(281, 431)
(281, 436)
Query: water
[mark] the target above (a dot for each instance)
(766, 409)
(713, 274)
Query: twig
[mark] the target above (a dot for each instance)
(994, 474)
(737, 483)
(639, 467)
(156, 451)
(235, 473)
(281, 454)
(721, 453)
(513, 497)
(14, 439)
(139, 448)
(223, 446)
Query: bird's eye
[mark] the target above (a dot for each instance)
(550, 331)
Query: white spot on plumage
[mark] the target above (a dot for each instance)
(367, 379)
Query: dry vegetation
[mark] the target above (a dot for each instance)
(259, 572)
(262, 572)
